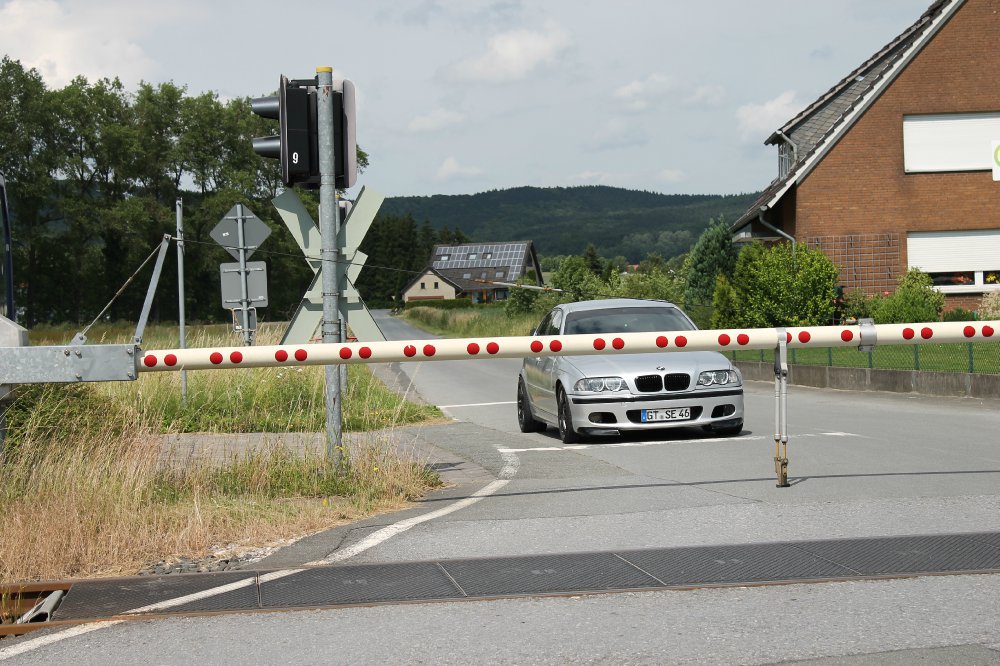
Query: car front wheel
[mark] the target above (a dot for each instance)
(525, 420)
(567, 433)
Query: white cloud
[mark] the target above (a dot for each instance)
(63, 40)
(437, 119)
(598, 177)
(451, 169)
(617, 134)
(671, 175)
(513, 55)
(759, 120)
(639, 94)
(707, 95)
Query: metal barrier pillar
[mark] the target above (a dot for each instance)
(781, 408)
(11, 335)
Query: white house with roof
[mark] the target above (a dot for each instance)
(480, 272)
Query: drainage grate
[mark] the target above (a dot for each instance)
(545, 574)
(750, 563)
(104, 598)
(901, 555)
(358, 584)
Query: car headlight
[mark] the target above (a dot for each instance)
(598, 384)
(719, 377)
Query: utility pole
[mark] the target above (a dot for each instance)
(329, 226)
(180, 291)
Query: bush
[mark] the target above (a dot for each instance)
(990, 308)
(445, 304)
(915, 300)
(782, 286)
(521, 301)
(857, 305)
(725, 313)
(959, 314)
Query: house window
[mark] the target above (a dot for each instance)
(443, 257)
(949, 142)
(786, 157)
(467, 276)
(483, 275)
(436, 285)
(487, 255)
(957, 261)
(473, 256)
(423, 286)
(499, 274)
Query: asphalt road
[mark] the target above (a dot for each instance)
(862, 464)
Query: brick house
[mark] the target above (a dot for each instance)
(476, 271)
(892, 167)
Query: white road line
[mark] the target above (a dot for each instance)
(477, 404)
(623, 445)
(35, 643)
(196, 596)
(385, 533)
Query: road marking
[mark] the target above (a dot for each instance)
(385, 533)
(41, 641)
(196, 596)
(623, 445)
(477, 404)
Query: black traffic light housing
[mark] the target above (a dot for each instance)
(297, 144)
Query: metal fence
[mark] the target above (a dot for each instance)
(970, 357)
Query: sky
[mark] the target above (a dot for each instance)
(463, 96)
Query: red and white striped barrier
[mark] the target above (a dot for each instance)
(564, 345)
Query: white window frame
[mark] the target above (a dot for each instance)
(949, 142)
(941, 252)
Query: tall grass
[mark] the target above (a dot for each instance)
(477, 322)
(86, 489)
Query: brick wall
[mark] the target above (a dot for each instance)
(860, 191)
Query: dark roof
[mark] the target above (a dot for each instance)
(819, 122)
(812, 123)
(476, 258)
(457, 277)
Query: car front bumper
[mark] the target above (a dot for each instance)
(595, 413)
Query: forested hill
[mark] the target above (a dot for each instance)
(563, 220)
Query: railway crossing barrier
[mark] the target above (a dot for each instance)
(73, 363)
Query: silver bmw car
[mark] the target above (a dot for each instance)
(594, 395)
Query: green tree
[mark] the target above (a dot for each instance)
(915, 300)
(725, 312)
(593, 260)
(714, 254)
(577, 281)
(782, 286)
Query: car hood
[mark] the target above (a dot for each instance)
(606, 365)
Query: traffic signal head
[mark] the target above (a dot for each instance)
(291, 108)
(296, 144)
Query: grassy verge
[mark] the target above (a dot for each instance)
(478, 322)
(985, 357)
(85, 491)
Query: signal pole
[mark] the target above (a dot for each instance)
(329, 226)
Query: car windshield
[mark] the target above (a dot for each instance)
(627, 320)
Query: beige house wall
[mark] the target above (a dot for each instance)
(424, 289)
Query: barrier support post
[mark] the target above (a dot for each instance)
(780, 409)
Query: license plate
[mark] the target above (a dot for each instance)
(676, 414)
